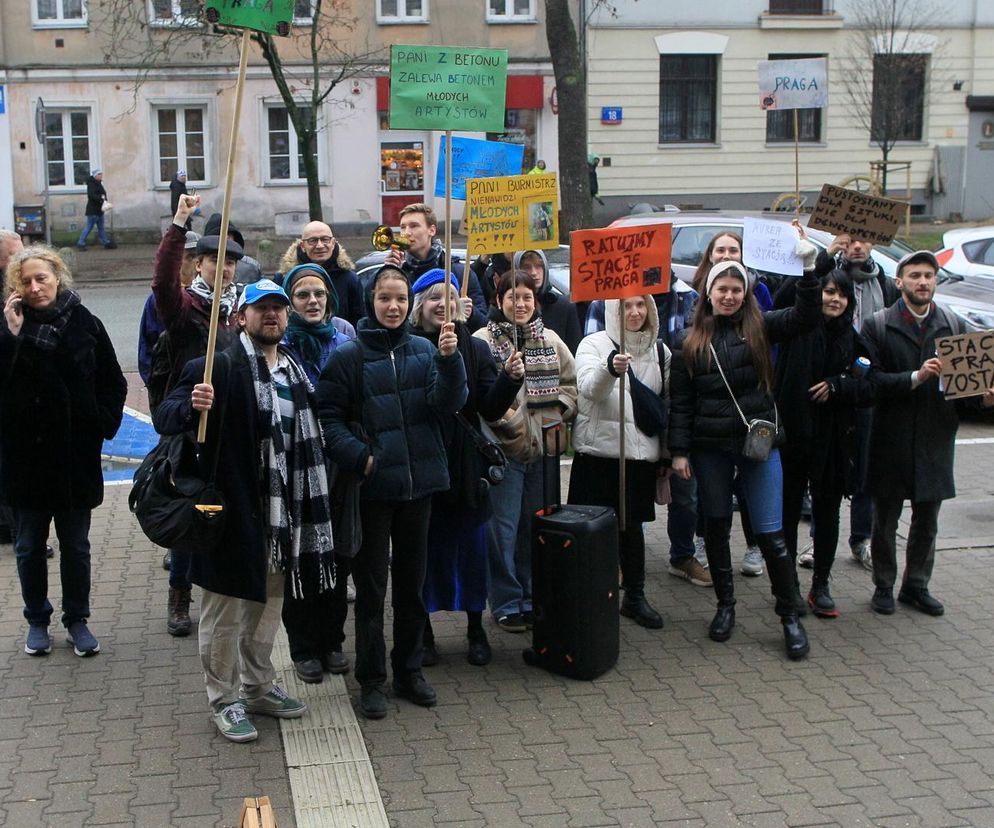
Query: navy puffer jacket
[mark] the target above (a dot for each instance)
(397, 386)
(702, 414)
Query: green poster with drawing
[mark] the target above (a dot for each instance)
(443, 87)
(268, 16)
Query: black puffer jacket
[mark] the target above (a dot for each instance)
(397, 386)
(702, 414)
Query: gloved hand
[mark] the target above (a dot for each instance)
(807, 251)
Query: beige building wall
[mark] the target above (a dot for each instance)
(624, 71)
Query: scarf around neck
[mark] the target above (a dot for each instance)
(310, 338)
(44, 328)
(539, 353)
(229, 296)
(298, 505)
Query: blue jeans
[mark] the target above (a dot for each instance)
(762, 486)
(514, 501)
(91, 222)
(681, 518)
(73, 529)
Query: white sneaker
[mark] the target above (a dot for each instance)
(861, 554)
(806, 557)
(700, 555)
(752, 562)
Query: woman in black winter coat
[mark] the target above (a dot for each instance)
(729, 342)
(381, 399)
(456, 578)
(61, 395)
(818, 389)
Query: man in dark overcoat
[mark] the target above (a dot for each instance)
(914, 432)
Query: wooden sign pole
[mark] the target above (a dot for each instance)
(797, 167)
(448, 226)
(222, 247)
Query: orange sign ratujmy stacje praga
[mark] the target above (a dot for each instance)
(619, 262)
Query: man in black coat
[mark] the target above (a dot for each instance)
(96, 204)
(914, 432)
(558, 312)
(277, 510)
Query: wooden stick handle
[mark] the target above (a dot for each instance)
(622, 510)
(222, 247)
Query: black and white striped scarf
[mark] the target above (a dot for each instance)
(298, 505)
(44, 327)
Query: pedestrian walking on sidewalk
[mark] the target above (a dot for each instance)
(97, 207)
(61, 395)
(271, 469)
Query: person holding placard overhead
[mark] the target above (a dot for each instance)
(723, 419)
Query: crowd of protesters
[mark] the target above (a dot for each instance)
(350, 426)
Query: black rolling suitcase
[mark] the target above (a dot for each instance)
(574, 589)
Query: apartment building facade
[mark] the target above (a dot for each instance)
(674, 106)
(70, 105)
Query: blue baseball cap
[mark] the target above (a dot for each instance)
(261, 290)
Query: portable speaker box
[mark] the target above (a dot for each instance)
(575, 591)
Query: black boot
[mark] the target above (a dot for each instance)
(820, 598)
(635, 606)
(783, 579)
(716, 533)
(631, 546)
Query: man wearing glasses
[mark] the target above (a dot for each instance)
(318, 245)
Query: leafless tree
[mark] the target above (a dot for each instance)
(887, 75)
(306, 67)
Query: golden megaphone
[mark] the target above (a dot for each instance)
(384, 238)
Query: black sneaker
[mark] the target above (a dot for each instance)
(309, 670)
(415, 689)
(372, 702)
(883, 601)
(335, 662)
(921, 600)
(513, 622)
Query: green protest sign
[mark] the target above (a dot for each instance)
(268, 16)
(449, 88)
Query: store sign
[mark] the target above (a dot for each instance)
(793, 84)
(439, 87)
(518, 212)
(619, 262)
(268, 16)
(474, 158)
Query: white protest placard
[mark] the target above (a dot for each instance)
(793, 84)
(769, 245)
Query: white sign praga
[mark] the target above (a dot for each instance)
(793, 84)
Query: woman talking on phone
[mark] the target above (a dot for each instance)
(63, 395)
(723, 417)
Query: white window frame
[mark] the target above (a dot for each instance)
(60, 21)
(66, 109)
(205, 104)
(293, 181)
(177, 21)
(509, 16)
(304, 21)
(402, 17)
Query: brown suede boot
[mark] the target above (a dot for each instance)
(178, 622)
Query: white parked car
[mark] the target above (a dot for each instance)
(968, 251)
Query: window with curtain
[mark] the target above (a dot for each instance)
(688, 94)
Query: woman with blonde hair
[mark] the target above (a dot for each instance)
(63, 395)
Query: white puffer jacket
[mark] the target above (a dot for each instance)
(597, 425)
